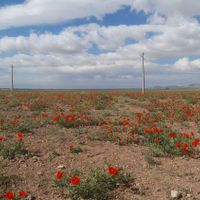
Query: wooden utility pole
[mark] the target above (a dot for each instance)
(12, 79)
(143, 75)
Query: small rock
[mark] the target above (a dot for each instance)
(189, 195)
(30, 197)
(158, 190)
(39, 173)
(35, 158)
(61, 167)
(175, 194)
(22, 161)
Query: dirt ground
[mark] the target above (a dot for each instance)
(50, 144)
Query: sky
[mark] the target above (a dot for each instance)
(74, 44)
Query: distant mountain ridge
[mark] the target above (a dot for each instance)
(193, 85)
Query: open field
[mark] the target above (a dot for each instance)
(136, 147)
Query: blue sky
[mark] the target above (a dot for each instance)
(97, 44)
(10, 2)
(124, 16)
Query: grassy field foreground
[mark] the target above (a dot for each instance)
(57, 145)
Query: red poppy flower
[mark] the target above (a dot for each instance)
(20, 136)
(67, 119)
(56, 118)
(172, 135)
(9, 195)
(113, 171)
(139, 115)
(161, 130)
(71, 146)
(137, 141)
(23, 194)
(195, 143)
(73, 118)
(45, 115)
(58, 175)
(75, 180)
(1, 138)
(192, 133)
(156, 140)
(185, 148)
(155, 129)
(178, 144)
(187, 135)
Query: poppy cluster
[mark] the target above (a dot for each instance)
(19, 135)
(12, 195)
(75, 180)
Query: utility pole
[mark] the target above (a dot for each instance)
(12, 81)
(143, 75)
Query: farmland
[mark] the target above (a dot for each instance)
(60, 145)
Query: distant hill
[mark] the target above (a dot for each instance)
(193, 85)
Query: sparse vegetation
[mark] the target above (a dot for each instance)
(147, 135)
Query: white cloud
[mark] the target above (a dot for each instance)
(185, 64)
(77, 39)
(156, 18)
(37, 12)
(65, 42)
(168, 8)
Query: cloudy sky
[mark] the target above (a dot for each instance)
(98, 43)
